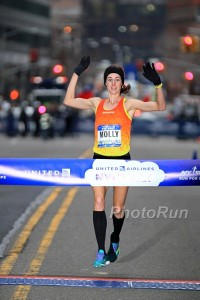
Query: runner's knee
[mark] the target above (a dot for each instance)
(99, 203)
(118, 211)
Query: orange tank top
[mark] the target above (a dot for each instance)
(112, 130)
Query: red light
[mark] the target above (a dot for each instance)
(57, 69)
(159, 66)
(42, 109)
(34, 55)
(14, 95)
(188, 40)
(189, 76)
(67, 29)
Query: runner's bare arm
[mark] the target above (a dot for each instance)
(80, 103)
(158, 105)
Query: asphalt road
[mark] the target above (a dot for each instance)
(49, 231)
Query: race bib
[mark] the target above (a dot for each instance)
(109, 136)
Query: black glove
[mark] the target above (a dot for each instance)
(151, 74)
(83, 65)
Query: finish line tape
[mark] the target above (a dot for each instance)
(101, 282)
(98, 172)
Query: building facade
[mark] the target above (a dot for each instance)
(128, 26)
(183, 20)
(25, 40)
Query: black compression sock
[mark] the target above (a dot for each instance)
(100, 225)
(117, 223)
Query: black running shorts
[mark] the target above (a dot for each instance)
(126, 156)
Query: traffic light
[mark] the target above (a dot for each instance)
(33, 55)
(58, 69)
(189, 76)
(159, 66)
(14, 95)
(190, 44)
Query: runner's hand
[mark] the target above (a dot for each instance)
(83, 65)
(151, 74)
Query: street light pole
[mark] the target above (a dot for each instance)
(4, 37)
(3, 41)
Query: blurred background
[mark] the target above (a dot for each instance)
(41, 41)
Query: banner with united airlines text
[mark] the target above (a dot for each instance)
(98, 172)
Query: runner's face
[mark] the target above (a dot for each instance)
(114, 83)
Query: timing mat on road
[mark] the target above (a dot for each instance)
(99, 172)
(95, 282)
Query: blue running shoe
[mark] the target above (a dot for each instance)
(101, 260)
(113, 252)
